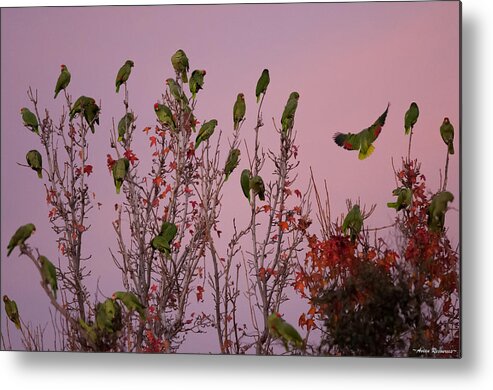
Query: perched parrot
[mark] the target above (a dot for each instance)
(206, 130)
(279, 328)
(161, 244)
(168, 231)
(131, 302)
(231, 162)
(353, 222)
(91, 113)
(165, 116)
(120, 170)
(48, 271)
(436, 210)
(245, 182)
(197, 81)
(109, 316)
(90, 332)
(12, 311)
(123, 74)
(363, 140)
(262, 84)
(179, 60)
(411, 117)
(239, 109)
(20, 236)
(447, 133)
(404, 197)
(30, 120)
(177, 92)
(63, 80)
(258, 187)
(124, 125)
(35, 161)
(287, 119)
(78, 106)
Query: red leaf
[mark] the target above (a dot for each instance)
(298, 193)
(110, 162)
(153, 141)
(130, 156)
(88, 169)
(158, 180)
(200, 291)
(283, 225)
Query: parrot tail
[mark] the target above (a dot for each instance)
(184, 77)
(392, 205)
(117, 88)
(10, 250)
(56, 94)
(40, 174)
(368, 153)
(258, 98)
(451, 148)
(408, 130)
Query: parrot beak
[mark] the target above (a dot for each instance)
(113, 297)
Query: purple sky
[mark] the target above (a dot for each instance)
(346, 61)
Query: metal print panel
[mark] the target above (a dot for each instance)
(267, 179)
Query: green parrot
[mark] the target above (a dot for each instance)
(124, 125)
(123, 74)
(197, 81)
(179, 60)
(262, 84)
(90, 332)
(404, 197)
(231, 162)
(363, 140)
(164, 115)
(20, 236)
(168, 231)
(48, 271)
(131, 302)
(447, 133)
(78, 106)
(109, 316)
(353, 222)
(35, 161)
(120, 170)
(279, 328)
(12, 311)
(206, 130)
(91, 113)
(161, 244)
(287, 119)
(245, 182)
(63, 80)
(258, 187)
(30, 120)
(177, 92)
(411, 117)
(239, 109)
(436, 210)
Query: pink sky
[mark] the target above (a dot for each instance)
(347, 61)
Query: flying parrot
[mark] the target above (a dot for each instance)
(353, 222)
(245, 183)
(179, 60)
(12, 311)
(124, 125)
(164, 115)
(363, 140)
(131, 302)
(109, 316)
(30, 120)
(48, 272)
(63, 80)
(436, 210)
(120, 170)
(239, 109)
(287, 119)
(447, 133)
(404, 197)
(34, 160)
(161, 244)
(258, 187)
(91, 113)
(177, 92)
(20, 236)
(197, 81)
(262, 84)
(206, 130)
(123, 74)
(231, 162)
(279, 328)
(411, 117)
(168, 231)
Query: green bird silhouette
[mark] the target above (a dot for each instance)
(196, 81)
(12, 311)
(179, 60)
(123, 74)
(447, 133)
(437, 209)
(109, 316)
(258, 187)
(411, 117)
(131, 302)
(262, 84)
(120, 170)
(30, 120)
(239, 110)
(124, 125)
(63, 80)
(231, 162)
(48, 272)
(165, 116)
(280, 329)
(245, 182)
(287, 119)
(353, 222)
(205, 132)
(404, 198)
(20, 236)
(35, 161)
